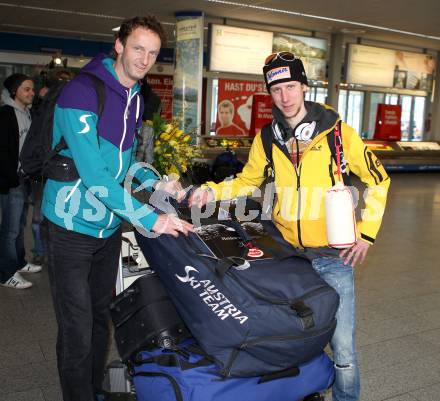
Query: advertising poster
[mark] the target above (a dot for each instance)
(413, 71)
(187, 88)
(368, 65)
(261, 113)
(234, 106)
(388, 120)
(162, 85)
(312, 52)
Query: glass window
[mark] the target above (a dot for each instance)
(214, 102)
(355, 109)
(342, 104)
(391, 98)
(418, 118)
(310, 95)
(375, 99)
(405, 122)
(321, 95)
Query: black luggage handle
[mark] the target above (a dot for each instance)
(171, 360)
(130, 291)
(290, 372)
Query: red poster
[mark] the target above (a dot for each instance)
(162, 85)
(388, 120)
(261, 113)
(234, 106)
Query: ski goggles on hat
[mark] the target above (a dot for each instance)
(286, 56)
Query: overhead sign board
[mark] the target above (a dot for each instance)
(239, 50)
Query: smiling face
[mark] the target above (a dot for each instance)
(289, 98)
(25, 93)
(136, 57)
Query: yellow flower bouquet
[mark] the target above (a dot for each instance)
(173, 151)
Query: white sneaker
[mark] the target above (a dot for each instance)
(17, 282)
(30, 268)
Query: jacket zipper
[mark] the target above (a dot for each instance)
(298, 217)
(129, 97)
(298, 186)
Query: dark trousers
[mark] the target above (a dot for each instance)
(13, 221)
(82, 272)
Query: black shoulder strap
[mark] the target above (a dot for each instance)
(267, 140)
(269, 172)
(99, 87)
(290, 372)
(331, 143)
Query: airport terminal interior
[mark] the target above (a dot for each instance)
(398, 310)
(377, 63)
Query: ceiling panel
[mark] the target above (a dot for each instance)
(94, 19)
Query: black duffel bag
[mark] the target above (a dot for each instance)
(251, 305)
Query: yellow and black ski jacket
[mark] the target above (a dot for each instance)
(299, 210)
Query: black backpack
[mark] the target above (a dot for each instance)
(38, 159)
(226, 164)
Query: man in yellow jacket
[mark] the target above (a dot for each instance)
(304, 169)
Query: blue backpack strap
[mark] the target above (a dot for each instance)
(332, 140)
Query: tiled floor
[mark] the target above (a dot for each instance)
(398, 310)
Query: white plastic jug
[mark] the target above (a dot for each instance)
(340, 217)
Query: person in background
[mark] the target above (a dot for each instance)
(304, 171)
(145, 148)
(15, 120)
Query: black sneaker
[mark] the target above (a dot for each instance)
(38, 260)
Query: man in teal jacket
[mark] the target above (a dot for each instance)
(83, 217)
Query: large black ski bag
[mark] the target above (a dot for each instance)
(251, 305)
(145, 318)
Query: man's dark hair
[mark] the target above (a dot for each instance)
(148, 22)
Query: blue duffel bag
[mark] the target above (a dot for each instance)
(251, 305)
(189, 376)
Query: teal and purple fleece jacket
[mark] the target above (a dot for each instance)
(96, 203)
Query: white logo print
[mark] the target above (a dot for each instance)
(86, 124)
(187, 278)
(220, 306)
(278, 73)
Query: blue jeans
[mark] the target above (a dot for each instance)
(12, 251)
(341, 278)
